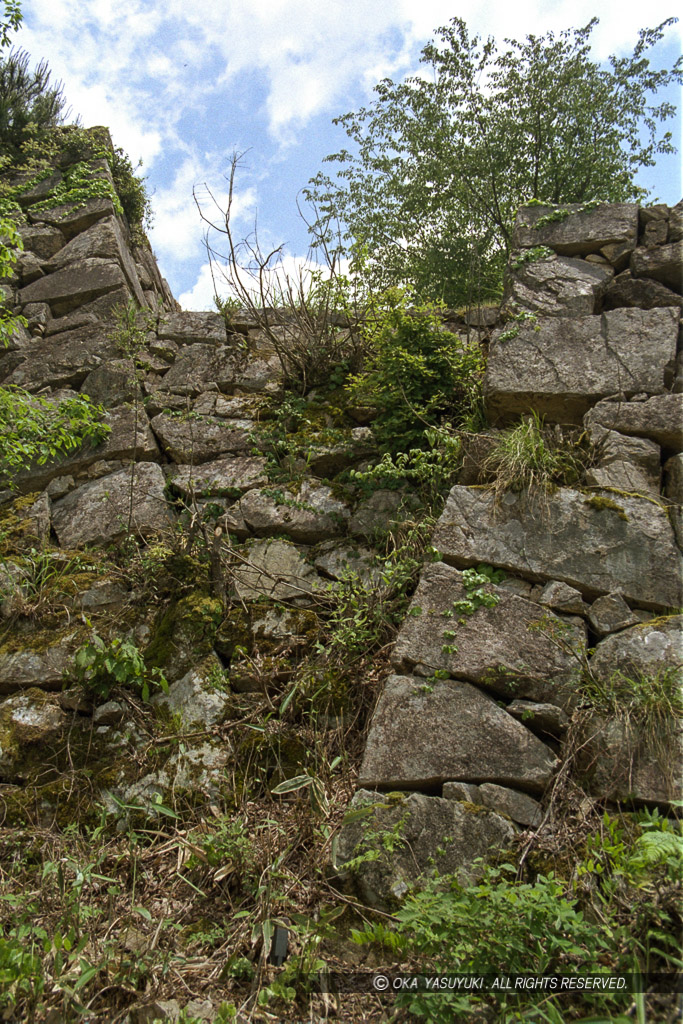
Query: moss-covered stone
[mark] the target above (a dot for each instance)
(184, 633)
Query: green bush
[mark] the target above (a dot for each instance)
(100, 667)
(417, 375)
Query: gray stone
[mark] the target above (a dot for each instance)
(676, 222)
(28, 267)
(545, 718)
(220, 477)
(112, 383)
(609, 614)
(328, 460)
(673, 469)
(309, 516)
(505, 647)
(72, 218)
(655, 233)
(521, 808)
(195, 699)
(659, 418)
(563, 598)
(260, 375)
(624, 463)
(560, 367)
(109, 713)
(103, 240)
(64, 361)
(461, 791)
(337, 560)
(167, 1010)
(104, 594)
(618, 760)
(663, 263)
(44, 668)
(375, 514)
(27, 719)
(595, 543)
(105, 509)
(641, 292)
(199, 365)
(557, 287)
(190, 328)
(422, 736)
(273, 569)
(76, 284)
(432, 832)
(581, 232)
(193, 440)
(644, 650)
(41, 239)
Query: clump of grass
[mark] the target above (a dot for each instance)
(532, 456)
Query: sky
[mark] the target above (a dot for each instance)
(183, 86)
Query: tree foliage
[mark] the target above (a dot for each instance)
(28, 100)
(443, 159)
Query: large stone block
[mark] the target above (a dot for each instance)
(71, 218)
(191, 328)
(644, 651)
(561, 367)
(505, 648)
(311, 515)
(221, 477)
(76, 284)
(643, 292)
(106, 509)
(430, 833)
(103, 240)
(195, 439)
(199, 365)
(423, 735)
(580, 232)
(662, 263)
(597, 543)
(659, 418)
(62, 361)
(557, 287)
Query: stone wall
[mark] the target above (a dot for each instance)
(470, 730)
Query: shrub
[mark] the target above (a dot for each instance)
(100, 667)
(28, 102)
(532, 456)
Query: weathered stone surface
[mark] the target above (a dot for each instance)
(274, 569)
(72, 218)
(596, 543)
(673, 469)
(64, 361)
(129, 438)
(461, 791)
(563, 598)
(659, 418)
(260, 374)
(103, 240)
(220, 477)
(579, 233)
(419, 740)
(98, 512)
(644, 650)
(309, 516)
(625, 463)
(28, 267)
(620, 761)
(199, 365)
(560, 367)
(676, 222)
(521, 808)
(433, 833)
(610, 613)
(76, 284)
(190, 328)
(374, 514)
(503, 648)
(191, 440)
(41, 239)
(543, 718)
(328, 460)
(109, 713)
(337, 560)
(558, 287)
(112, 383)
(663, 263)
(642, 292)
(27, 719)
(199, 704)
(44, 668)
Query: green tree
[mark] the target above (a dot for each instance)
(28, 102)
(443, 159)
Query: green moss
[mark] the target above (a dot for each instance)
(601, 503)
(188, 625)
(16, 526)
(41, 640)
(232, 633)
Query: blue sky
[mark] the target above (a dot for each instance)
(183, 85)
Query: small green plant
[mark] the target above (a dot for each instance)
(35, 430)
(533, 255)
(532, 456)
(524, 318)
(101, 666)
(416, 375)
